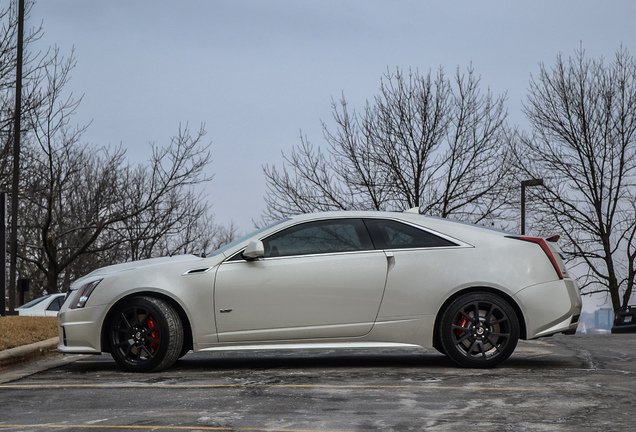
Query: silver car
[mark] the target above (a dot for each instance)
(330, 280)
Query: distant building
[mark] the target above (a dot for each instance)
(604, 319)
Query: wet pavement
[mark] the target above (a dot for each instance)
(564, 383)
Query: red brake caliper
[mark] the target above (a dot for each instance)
(463, 322)
(154, 333)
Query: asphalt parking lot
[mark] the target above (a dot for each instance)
(564, 383)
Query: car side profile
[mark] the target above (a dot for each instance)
(330, 280)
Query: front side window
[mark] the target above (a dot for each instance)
(389, 234)
(329, 236)
(56, 304)
(235, 243)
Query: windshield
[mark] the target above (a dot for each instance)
(245, 237)
(34, 302)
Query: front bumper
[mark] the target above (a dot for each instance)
(80, 330)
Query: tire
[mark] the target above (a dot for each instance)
(145, 335)
(184, 351)
(479, 330)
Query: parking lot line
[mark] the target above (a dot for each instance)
(175, 428)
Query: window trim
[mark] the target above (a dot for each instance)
(455, 243)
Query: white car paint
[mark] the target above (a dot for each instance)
(373, 297)
(47, 305)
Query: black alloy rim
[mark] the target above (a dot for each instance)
(481, 330)
(136, 335)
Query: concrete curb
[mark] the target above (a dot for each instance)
(28, 353)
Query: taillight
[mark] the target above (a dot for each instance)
(542, 242)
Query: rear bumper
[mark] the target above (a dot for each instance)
(560, 315)
(567, 326)
(630, 328)
(625, 320)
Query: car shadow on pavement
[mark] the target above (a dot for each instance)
(322, 359)
(314, 360)
(259, 360)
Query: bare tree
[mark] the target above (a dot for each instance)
(83, 206)
(32, 68)
(583, 143)
(424, 141)
(179, 220)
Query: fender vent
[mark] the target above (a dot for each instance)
(197, 271)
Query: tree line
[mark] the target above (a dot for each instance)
(84, 206)
(444, 145)
(441, 143)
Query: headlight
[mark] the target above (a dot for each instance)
(83, 293)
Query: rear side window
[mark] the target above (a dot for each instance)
(389, 234)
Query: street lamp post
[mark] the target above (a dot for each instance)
(524, 184)
(13, 241)
(3, 254)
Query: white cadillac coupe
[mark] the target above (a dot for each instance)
(329, 280)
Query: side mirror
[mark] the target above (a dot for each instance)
(254, 250)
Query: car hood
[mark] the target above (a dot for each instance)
(153, 262)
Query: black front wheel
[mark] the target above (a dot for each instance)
(479, 330)
(145, 335)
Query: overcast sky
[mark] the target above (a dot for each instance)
(256, 73)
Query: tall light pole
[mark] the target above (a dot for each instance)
(3, 254)
(13, 241)
(524, 184)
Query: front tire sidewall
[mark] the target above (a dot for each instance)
(448, 333)
(170, 331)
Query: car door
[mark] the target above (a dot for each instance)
(424, 263)
(318, 279)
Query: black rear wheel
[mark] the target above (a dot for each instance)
(145, 335)
(479, 330)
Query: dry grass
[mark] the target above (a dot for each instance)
(20, 330)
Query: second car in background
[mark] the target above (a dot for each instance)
(48, 305)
